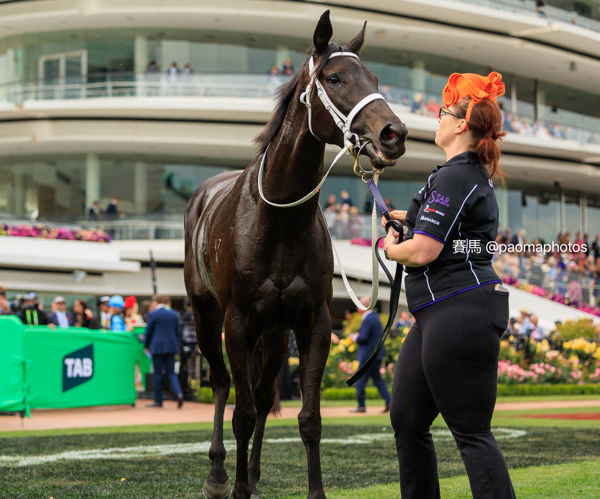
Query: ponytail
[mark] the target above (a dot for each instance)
(485, 126)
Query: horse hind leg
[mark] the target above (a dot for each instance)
(208, 331)
(274, 354)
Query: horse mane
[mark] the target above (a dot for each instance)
(284, 97)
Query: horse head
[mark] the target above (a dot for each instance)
(347, 94)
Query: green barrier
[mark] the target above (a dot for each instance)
(12, 364)
(143, 362)
(64, 367)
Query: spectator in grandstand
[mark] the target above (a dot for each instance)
(60, 316)
(386, 91)
(31, 313)
(4, 303)
(93, 211)
(82, 315)
(433, 107)
(116, 304)
(102, 319)
(288, 67)
(145, 307)
(112, 210)
(595, 246)
(418, 105)
(526, 129)
(519, 237)
(507, 123)
(558, 132)
(130, 313)
(537, 333)
(539, 7)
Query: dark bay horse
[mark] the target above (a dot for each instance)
(260, 270)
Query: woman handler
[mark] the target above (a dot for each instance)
(449, 361)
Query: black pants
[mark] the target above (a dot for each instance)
(449, 365)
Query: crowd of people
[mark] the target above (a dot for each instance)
(113, 313)
(568, 277)
(344, 218)
(167, 334)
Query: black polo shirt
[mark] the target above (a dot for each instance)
(457, 207)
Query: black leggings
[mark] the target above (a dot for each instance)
(449, 365)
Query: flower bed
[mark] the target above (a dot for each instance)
(567, 361)
(51, 232)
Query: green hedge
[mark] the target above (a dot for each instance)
(205, 395)
(503, 390)
(548, 389)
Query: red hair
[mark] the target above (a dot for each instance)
(485, 126)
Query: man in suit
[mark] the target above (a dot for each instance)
(367, 338)
(162, 340)
(59, 316)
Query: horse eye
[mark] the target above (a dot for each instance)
(333, 79)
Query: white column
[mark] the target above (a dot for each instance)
(19, 194)
(417, 76)
(140, 54)
(92, 179)
(140, 188)
(140, 62)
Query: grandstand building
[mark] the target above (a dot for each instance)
(143, 101)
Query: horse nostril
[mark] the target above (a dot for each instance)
(392, 133)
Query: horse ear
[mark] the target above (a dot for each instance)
(323, 33)
(357, 42)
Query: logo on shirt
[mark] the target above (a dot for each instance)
(431, 220)
(436, 197)
(78, 367)
(427, 209)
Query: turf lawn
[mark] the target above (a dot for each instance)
(548, 458)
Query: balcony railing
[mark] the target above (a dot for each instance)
(527, 7)
(580, 128)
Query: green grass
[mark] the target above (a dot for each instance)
(554, 459)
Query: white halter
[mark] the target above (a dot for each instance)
(343, 122)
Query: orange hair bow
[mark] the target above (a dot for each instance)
(477, 86)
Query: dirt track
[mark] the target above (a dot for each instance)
(89, 417)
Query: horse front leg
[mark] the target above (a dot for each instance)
(313, 348)
(244, 414)
(275, 349)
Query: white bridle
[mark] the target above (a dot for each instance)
(343, 122)
(351, 140)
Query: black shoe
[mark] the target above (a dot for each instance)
(358, 409)
(386, 409)
(179, 401)
(155, 404)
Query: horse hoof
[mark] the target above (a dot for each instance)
(217, 490)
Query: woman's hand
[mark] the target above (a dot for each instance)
(399, 215)
(391, 238)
